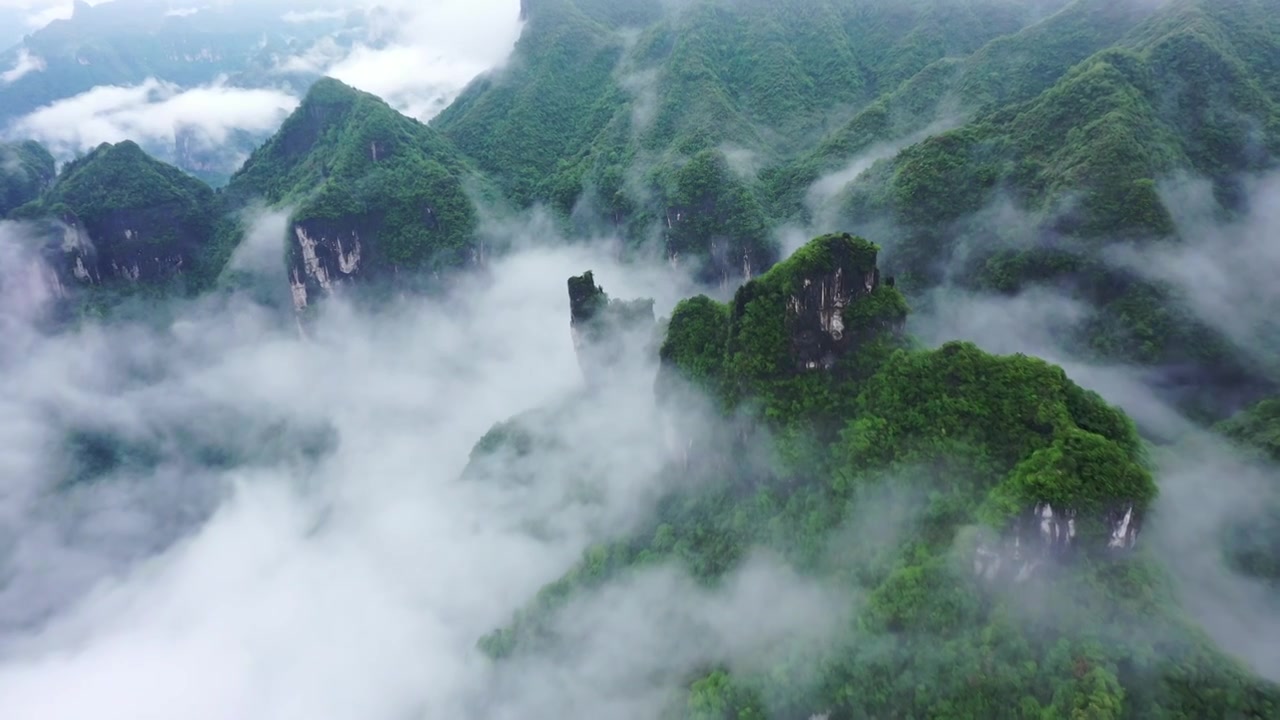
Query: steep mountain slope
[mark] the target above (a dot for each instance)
(1017, 142)
(372, 193)
(1257, 427)
(1013, 583)
(1010, 69)
(1252, 542)
(604, 103)
(119, 220)
(1190, 90)
(26, 169)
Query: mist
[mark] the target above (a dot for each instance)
(1216, 267)
(279, 528)
(152, 113)
(416, 56)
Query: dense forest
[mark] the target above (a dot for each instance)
(832, 177)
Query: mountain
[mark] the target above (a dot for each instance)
(605, 106)
(1016, 587)
(118, 221)
(992, 146)
(990, 537)
(1190, 90)
(1253, 541)
(373, 194)
(26, 169)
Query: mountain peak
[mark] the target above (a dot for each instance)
(374, 191)
(328, 89)
(118, 216)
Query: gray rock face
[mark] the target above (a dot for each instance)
(324, 255)
(816, 309)
(816, 315)
(121, 251)
(1045, 535)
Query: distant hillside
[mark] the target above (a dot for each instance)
(26, 169)
(128, 41)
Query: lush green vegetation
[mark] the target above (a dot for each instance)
(345, 162)
(1018, 138)
(643, 119)
(1257, 428)
(1252, 541)
(1187, 89)
(148, 224)
(960, 446)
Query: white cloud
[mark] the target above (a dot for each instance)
(39, 13)
(418, 56)
(354, 584)
(25, 64)
(1223, 269)
(151, 112)
(308, 16)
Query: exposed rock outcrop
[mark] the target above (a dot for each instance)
(120, 218)
(376, 197)
(1044, 535)
(816, 307)
(606, 333)
(323, 255)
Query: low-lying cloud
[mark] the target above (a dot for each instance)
(1218, 267)
(154, 112)
(25, 64)
(416, 56)
(217, 515)
(1223, 268)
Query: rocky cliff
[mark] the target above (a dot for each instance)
(816, 346)
(606, 332)
(375, 195)
(816, 307)
(1042, 535)
(119, 218)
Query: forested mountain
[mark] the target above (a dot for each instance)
(651, 119)
(372, 193)
(119, 221)
(1013, 483)
(991, 146)
(1007, 537)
